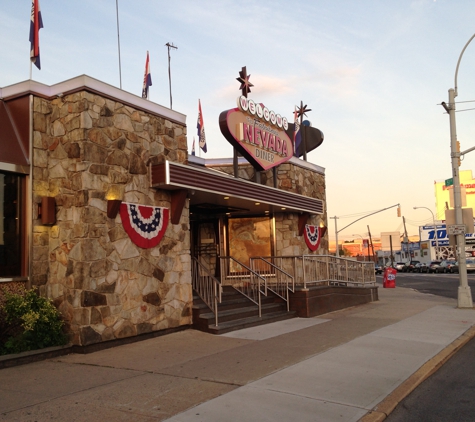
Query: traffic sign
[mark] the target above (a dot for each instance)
(456, 229)
(449, 182)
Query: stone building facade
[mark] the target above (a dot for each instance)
(83, 143)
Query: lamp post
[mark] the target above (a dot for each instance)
(435, 230)
(464, 299)
(337, 254)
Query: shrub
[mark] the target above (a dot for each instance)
(29, 322)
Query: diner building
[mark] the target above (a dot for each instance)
(104, 211)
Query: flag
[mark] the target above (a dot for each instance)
(193, 147)
(297, 133)
(147, 78)
(201, 129)
(36, 23)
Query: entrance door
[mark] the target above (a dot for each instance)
(205, 244)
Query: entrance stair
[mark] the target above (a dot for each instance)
(236, 311)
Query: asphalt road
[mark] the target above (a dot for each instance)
(448, 395)
(437, 284)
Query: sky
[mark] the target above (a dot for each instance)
(373, 73)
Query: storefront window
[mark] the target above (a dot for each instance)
(11, 232)
(249, 237)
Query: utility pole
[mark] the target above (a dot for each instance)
(169, 71)
(371, 241)
(337, 252)
(464, 298)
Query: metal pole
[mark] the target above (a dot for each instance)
(435, 229)
(464, 292)
(169, 71)
(337, 252)
(118, 40)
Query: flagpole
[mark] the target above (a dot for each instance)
(118, 40)
(169, 71)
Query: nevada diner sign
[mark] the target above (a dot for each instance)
(257, 133)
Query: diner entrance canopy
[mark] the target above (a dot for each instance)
(214, 192)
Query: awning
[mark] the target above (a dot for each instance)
(213, 192)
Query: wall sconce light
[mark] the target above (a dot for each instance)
(323, 228)
(113, 206)
(47, 210)
(114, 192)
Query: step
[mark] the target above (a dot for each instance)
(240, 313)
(226, 327)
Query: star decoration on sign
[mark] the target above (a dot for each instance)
(244, 79)
(302, 110)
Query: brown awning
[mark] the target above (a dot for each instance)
(14, 129)
(207, 190)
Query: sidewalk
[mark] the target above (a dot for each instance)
(336, 367)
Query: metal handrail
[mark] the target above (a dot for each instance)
(278, 281)
(325, 270)
(207, 286)
(245, 280)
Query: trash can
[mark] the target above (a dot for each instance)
(389, 278)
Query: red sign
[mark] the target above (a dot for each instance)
(257, 133)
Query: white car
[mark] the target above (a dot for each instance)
(399, 265)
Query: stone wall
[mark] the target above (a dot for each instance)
(87, 147)
(296, 179)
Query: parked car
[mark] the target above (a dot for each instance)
(470, 266)
(432, 267)
(410, 266)
(421, 267)
(445, 266)
(378, 269)
(399, 265)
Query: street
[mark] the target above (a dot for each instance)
(438, 284)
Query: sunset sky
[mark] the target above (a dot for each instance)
(373, 72)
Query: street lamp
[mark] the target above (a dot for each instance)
(464, 292)
(337, 253)
(435, 230)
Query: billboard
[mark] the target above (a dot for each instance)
(428, 234)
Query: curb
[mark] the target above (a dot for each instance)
(382, 410)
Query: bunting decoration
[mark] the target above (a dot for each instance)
(144, 224)
(312, 235)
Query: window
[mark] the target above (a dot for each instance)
(12, 232)
(249, 237)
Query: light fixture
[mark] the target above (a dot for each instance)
(113, 206)
(257, 203)
(114, 192)
(323, 228)
(283, 208)
(226, 197)
(47, 210)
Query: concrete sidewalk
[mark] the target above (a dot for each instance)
(337, 367)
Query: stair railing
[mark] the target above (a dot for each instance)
(243, 279)
(278, 281)
(324, 270)
(207, 286)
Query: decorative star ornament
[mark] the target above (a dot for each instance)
(244, 79)
(302, 110)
